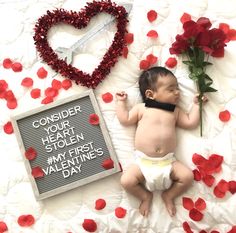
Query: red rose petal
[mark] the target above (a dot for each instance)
(231, 35)
(47, 100)
(187, 228)
(30, 153)
(100, 204)
(188, 203)
(56, 84)
(129, 38)
(125, 52)
(66, 84)
(2, 94)
(107, 97)
(8, 129)
(120, 212)
(218, 169)
(152, 15)
(200, 204)
(195, 215)
(214, 231)
(171, 62)
(224, 27)
(35, 93)
(51, 92)
(232, 186)
(144, 64)
(223, 186)
(94, 119)
(218, 193)
(89, 225)
(233, 230)
(151, 59)
(27, 82)
(202, 231)
(216, 160)
(7, 63)
(202, 171)
(185, 17)
(16, 67)
(12, 103)
(197, 175)
(42, 73)
(26, 220)
(37, 172)
(208, 180)
(3, 84)
(152, 34)
(3, 227)
(198, 159)
(224, 116)
(108, 164)
(9, 95)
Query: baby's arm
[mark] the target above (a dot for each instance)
(190, 120)
(125, 116)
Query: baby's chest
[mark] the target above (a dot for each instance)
(157, 117)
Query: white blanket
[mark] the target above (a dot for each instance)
(66, 212)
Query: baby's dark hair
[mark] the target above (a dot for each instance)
(148, 78)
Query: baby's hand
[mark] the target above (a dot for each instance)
(196, 99)
(122, 96)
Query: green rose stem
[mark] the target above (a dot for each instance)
(200, 108)
(196, 66)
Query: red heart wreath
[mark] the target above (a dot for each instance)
(80, 20)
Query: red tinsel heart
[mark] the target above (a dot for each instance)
(80, 20)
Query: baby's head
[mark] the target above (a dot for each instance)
(153, 78)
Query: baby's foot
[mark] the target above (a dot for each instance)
(169, 203)
(145, 205)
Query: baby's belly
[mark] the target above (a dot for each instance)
(154, 144)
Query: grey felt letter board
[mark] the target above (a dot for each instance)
(71, 151)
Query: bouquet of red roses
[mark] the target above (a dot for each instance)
(197, 43)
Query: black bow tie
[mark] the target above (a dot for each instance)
(155, 104)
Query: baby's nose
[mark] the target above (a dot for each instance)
(177, 92)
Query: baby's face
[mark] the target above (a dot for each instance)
(167, 90)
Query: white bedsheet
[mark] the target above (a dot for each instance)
(66, 212)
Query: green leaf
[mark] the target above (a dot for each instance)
(188, 63)
(210, 89)
(207, 77)
(206, 63)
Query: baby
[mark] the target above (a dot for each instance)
(155, 139)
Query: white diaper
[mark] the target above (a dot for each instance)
(156, 171)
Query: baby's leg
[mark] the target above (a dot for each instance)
(131, 181)
(182, 178)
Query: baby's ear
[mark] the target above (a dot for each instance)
(149, 94)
